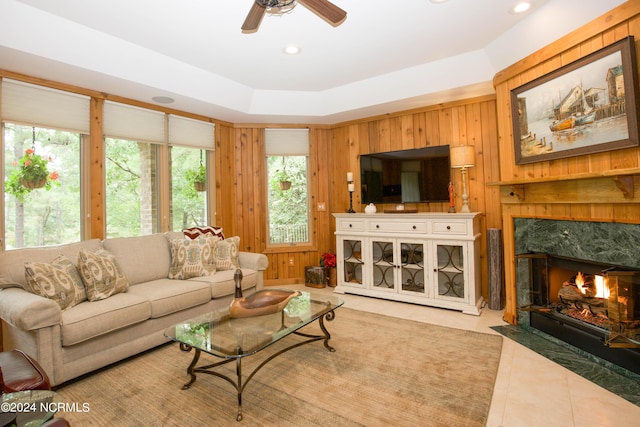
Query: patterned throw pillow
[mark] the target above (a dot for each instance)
(192, 258)
(195, 232)
(58, 281)
(227, 254)
(101, 274)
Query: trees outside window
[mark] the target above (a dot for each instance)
(188, 199)
(288, 203)
(51, 214)
(131, 188)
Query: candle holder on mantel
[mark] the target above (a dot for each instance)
(351, 188)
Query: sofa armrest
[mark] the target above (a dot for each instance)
(27, 311)
(254, 261)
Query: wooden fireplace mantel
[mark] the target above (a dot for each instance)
(610, 186)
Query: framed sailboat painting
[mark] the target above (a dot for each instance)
(587, 106)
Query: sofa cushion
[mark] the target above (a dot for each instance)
(91, 319)
(141, 258)
(195, 232)
(169, 296)
(12, 261)
(192, 258)
(58, 281)
(101, 274)
(222, 283)
(227, 254)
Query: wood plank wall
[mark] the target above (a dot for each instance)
(242, 199)
(240, 175)
(615, 25)
(469, 122)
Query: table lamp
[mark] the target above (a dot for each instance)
(463, 157)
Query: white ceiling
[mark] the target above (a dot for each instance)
(386, 56)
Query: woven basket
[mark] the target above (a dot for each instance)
(32, 185)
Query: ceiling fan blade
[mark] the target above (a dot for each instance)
(326, 10)
(253, 19)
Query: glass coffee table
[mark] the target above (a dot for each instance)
(234, 339)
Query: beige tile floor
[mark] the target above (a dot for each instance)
(530, 390)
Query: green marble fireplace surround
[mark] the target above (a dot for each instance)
(600, 243)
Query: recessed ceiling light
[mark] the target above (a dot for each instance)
(292, 50)
(163, 99)
(520, 7)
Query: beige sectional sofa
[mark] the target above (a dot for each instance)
(92, 334)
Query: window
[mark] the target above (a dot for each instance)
(131, 188)
(188, 188)
(53, 126)
(191, 142)
(133, 136)
(48, 215)
(288, 193)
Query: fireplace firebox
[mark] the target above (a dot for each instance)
(592, 306)
(579, 281)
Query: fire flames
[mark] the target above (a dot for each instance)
(598, 290)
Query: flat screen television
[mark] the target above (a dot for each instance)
(406, 176)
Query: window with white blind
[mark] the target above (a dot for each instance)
(287, 153)
(132, 138)
(44, 131)
(191, 143)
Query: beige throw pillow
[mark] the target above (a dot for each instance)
(227, 254)
(58, 281)
(101, 274)
(192, 258)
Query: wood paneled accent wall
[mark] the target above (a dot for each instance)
(242, 199)
(469, 122)
(240, 175)
(543, 189)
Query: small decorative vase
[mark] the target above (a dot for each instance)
(332, 277)
(370, 208)
(32, 185)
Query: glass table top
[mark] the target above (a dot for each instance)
(220, 335)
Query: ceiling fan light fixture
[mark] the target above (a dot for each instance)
(277, 7)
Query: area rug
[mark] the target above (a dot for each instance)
(385, 371)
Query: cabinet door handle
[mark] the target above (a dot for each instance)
(377, 225)
(448, 227)
(350, 225)
(414, 227)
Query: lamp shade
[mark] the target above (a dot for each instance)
(462, 156)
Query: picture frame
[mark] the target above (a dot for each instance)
(587, 106)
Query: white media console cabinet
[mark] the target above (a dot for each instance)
(421, 258)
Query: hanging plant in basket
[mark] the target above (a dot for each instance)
(32, 172)
(198, 177)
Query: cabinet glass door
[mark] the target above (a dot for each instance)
(450, 272)
(412, 267)
(383, 265)
(352, 262)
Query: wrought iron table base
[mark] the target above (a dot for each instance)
(238, 383)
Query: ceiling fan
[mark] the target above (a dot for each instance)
(323, 8)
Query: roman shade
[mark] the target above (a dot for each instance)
(188, 132)
(286, 142)
(123, 121)
(33, 105)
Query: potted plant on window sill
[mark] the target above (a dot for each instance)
(32, 172)
(198, 177)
